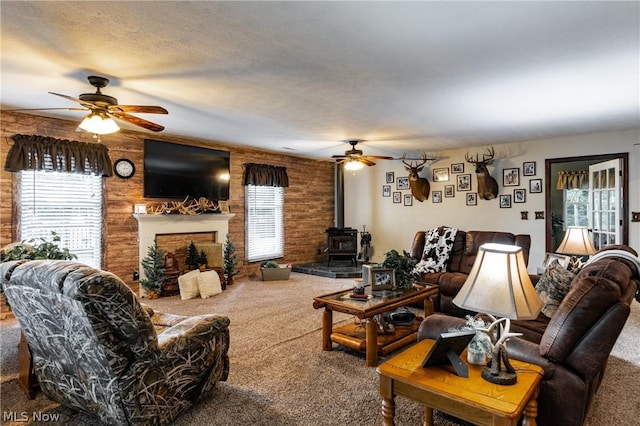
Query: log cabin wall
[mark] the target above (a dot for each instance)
(309, 200)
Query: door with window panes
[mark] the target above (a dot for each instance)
(605, 203)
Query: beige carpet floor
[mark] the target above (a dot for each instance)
(280, 376)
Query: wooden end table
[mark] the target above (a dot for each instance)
(355, 337)
(472, 399)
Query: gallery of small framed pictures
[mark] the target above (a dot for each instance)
(462, 182)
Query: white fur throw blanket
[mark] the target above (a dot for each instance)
(437, 249)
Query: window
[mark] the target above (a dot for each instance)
(265, 231)
(69, 204)
(576, 207)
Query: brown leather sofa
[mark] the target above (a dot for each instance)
(461, 259)
(574, 346)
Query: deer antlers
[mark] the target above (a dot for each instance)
(486, 159)
(424, 159)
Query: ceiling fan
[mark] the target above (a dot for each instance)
(354, 159)
(102, 108)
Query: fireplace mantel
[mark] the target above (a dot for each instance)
(150, 225)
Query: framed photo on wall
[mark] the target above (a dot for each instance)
(402, 183)
(511, 177)
(529, 168)
(535, 186)
(464, 182)
(441, 175)
(449, 191)
(505, 201)
(519, 195)
(386, 190)
(457, 168)
(472, 199)
(436, 197)
(390, 177)
(397, 197)
(408, 199)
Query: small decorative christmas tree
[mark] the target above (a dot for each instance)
(230, 261)
(192, 256)
(202, 259)
(153, 265)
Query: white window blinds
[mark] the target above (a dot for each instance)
(264, 229)
(69, 204)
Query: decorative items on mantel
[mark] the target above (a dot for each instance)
(187, 206)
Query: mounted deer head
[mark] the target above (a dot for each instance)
(419, 186)
(487, 186)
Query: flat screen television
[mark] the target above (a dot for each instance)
(178, 171)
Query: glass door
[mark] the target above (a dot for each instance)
(605, 203)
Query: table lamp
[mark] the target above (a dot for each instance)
(577, 243)
(499, 285)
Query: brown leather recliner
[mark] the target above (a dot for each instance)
(461, 259)
(574, 348)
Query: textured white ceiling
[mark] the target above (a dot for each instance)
(301, 77)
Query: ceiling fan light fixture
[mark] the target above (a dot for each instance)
(99, 124)
(353, 165)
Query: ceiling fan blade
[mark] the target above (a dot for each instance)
(380, 157)
(137, 121)
(47, 109)
(143, 109)
(71, 98)
(366, 161)
(338, 156)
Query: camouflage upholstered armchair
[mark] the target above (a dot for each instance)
(95, 348)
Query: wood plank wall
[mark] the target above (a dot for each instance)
(309, 200)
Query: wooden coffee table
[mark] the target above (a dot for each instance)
(367, 339)
(472, 399)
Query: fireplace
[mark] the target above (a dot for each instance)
(201, 228)
(342, 243)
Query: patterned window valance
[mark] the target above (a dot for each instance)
(265, 175)
(32, 152)
(573, 180)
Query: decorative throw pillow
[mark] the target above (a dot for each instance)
(437, 248)
(188, 284)
(209, 284)
(553, 286)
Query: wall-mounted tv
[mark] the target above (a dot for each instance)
(178, 171)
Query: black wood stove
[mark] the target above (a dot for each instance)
(342, 243)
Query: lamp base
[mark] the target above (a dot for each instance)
(501, 378)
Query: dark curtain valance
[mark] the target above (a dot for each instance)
(265, 175)
(32, 152)
(573, 180)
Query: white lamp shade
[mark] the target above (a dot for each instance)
(353, 165)
(576, 241)
(499, 284)
(95, 123)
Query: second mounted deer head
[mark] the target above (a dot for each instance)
(487, 185)
(420, 187)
